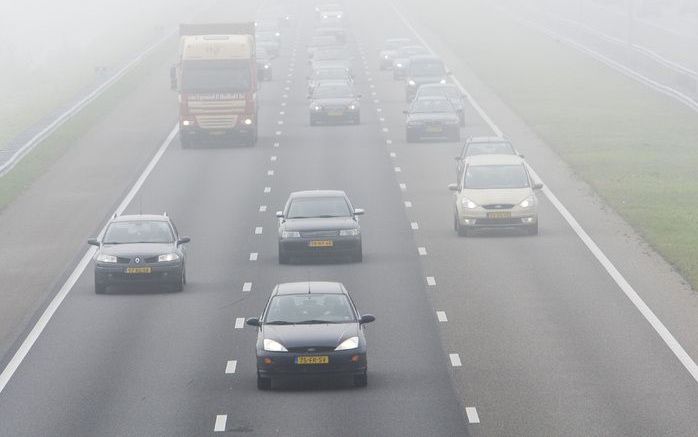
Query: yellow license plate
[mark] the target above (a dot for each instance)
(138, 270)
(321, 243)
(499, 214)
(318, 359)
(335, 113)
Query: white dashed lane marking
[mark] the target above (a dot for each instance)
(398, 170)
(262, 208)
(231, 367)
(280, 122)
(270, 172)
(247, 287)
(455, 360)
(253, 256)
(408, 204)
(441, 315)
(278, 132)
(393, 154)
(221, 420)
(431, 281)
(385, 129)
(414, 226)
(388, 142)
(471, 412)
(258, 230)
(403, 187)
(239, 323)
(273, 158)
(276, 145)
(422, 251)
(267, 189)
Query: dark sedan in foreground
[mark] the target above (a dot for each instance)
(310, 328)
(140, 250)
(319, 223)
(334, 102)
(433, 117)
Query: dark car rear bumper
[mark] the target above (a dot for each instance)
(301, 246)
(284, 364)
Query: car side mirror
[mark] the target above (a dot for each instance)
(183, 240)
(173, 77)
(521, 155)
(453, 187)
(537, 186)
(359, 211)
(93, 242)
(280, 214)
(367, 318)
(253, 322)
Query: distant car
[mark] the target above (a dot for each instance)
(328, 74)
(432, 117)
(310, 328)
(390, 48)
(268, 26)
(448, 90)
(495, 191)
(422, 70)
(140, 250)
(334, 102)
(402, 60)
(319, 223)
(338, 33)
(264, 66)
(327, 56)
(475, 146)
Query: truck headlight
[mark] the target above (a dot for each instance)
(442, 81)
(248, 121)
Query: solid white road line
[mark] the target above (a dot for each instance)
(253, 256)
(239, 322)
(471, 412)
(431, 281)
(262, 208)
(610, 268)
(258, 230)
(48, 313)
(231, 367)
(221, 420)
(247, 287)
(414, 226)
(455, 360)
(441, 315)
(422, 251)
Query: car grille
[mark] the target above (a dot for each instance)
(498, 206)
(311, 349)
(144, 260)
(318, 234)
(122, 260)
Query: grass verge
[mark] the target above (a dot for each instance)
(44, 154)
(636, 148)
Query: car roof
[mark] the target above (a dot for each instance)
(318, 193)
(495, 160)
(309, 287)
(471, 140)
(141, 217)
(420, 98)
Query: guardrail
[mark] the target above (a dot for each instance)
(44, 133)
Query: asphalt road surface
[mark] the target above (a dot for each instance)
(499, 334)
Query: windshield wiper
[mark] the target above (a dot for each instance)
(279, 322)
(315, 322)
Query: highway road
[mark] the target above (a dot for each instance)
(500, 334)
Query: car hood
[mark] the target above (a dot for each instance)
(141, 249)
(505, 195)
(320, 224)
(298, 336)
(432, 116)
(334, 101)
(421, 80)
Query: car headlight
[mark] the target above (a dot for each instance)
(349, 232)
(273, 346)
(469, 204)
(398, 65)
(385, 56)
(348, 344)
(442, 81)
(266, 66)
(317, 108)
(290, 234)
(168, 257)
(529, 201)
(103, 258)
(324, 16)
(278, 34)
(186, 123)
(353, 107)
(412, 83)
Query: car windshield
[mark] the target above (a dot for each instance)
(331, 73)
(432, 105)
(307, 207)
(139, 231)
(495, 176)
(309, 309)
(331, 91)
(490, 149)
(429, 68)
(215, 76)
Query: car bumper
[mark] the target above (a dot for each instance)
(284, 363)
(213, 135)
(480, 220)
(329, 118)
(301, 246)
(443, 131)
(160, 274)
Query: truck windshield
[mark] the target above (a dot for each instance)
(198, 76)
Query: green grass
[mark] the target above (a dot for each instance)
(636, 148)
(48, 151)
